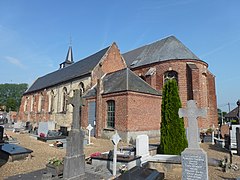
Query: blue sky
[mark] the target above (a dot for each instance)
(35, 35)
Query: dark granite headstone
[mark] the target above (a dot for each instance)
(238, 140)
(63, 130)
(141, 173)
(74, 161)
(1, 134)
(13, 152)
(194, 159)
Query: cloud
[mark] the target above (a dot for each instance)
(15, 62)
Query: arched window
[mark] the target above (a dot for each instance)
(170, 75)
(32, 102)
(64, 105)
(26, 104)
(81, 88)
(111, 114)
(51, 101)
(41, 102)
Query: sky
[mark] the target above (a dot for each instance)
(35, 35)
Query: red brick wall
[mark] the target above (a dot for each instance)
(112, 62)
(133, 112)
(144, 112)
(202, 85)
(34, 115)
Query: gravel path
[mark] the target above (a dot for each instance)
(42, 152)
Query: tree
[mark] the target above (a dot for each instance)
(173, 137)
(221, 116)
(11, 94)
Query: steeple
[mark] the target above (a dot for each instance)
(69, 59)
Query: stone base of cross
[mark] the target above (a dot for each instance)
(194, 159)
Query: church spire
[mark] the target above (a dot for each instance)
(69, 58)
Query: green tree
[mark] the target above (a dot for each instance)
(221, 116)
(173, 137)
(11, 94)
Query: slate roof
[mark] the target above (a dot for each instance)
(124, 80)
(232, 114)
(166, 49)
(78, 69)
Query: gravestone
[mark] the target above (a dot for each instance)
(233, 139)
(115, 140)
(74, 161)
(89, 128)
(44, 127)
(142, 147)
(194, 159)
(238, 140)
(1, 134)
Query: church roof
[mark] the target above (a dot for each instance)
(124, 80)
(166, 49)
(81, 68)
(232, 114)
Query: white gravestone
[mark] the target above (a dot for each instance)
(194, 159)
(142, 147)
(89, 128)
(115, 140)
(44, 127)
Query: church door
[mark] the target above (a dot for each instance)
(92, 116)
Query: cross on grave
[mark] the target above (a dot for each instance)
(192, 112)
(115, 140)
(77, 102)
(74, 161)
(89, 128)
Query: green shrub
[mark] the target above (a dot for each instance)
(173, 137)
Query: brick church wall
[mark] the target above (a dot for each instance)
(112, 62)
(197, 83)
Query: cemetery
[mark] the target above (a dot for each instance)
(107, 158)
(85, 157)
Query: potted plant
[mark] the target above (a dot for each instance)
(55, 166)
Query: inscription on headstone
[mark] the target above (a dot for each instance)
(194, 159)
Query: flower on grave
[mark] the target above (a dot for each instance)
(95, 154)
(55, 161)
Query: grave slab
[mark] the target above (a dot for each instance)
(13, 152)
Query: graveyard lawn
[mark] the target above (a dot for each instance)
(42, 152)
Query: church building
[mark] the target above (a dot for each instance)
(122, 90)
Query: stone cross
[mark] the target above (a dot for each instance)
(77, 102)
(192, 112)
(74, 161)
(89, 128)
(115, 140)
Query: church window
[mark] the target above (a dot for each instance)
(111, 114)
(51, 101)
(26, 104)
(81, 88)
(64, 105)
(40, 102)
(32, 102)
(170, 75)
